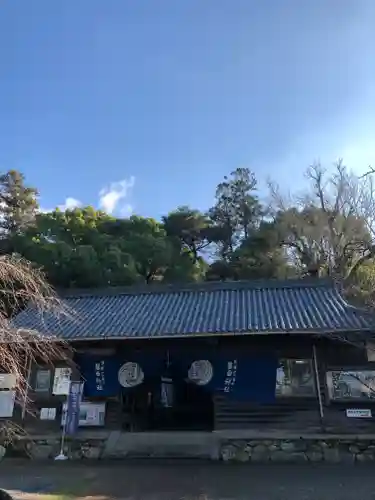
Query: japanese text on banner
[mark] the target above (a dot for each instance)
(231, 375)
(99, 375)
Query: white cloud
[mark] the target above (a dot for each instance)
(69, 204)
(112, 197)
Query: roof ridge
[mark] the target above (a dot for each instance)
(208, 286)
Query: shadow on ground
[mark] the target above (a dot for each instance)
(171, 480)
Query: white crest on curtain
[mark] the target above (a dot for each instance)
(201, 372)
(130, 375)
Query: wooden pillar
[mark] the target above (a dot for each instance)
(28, 364)
(317, 383)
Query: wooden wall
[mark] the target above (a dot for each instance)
(286, 413)
(301, 413)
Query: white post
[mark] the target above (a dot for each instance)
(317, 383)
(61, 455)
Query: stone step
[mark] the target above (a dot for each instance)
(162, 445)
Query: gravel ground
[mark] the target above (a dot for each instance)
(170, 480)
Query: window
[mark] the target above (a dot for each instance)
(295, 377)
(42, 381)
(356, 385)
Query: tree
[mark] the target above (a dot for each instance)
(261, 256)
(330, 229)
(258, 257)
(75, 251)
(248, 245)
(18, 207)
(22, 284)
(190, 227)
(88, 248)
(360, 288)
(236, 211)
(145, 240)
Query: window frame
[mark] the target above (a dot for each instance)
(40, 391)
(312, 395)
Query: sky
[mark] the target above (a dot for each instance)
(139, 106)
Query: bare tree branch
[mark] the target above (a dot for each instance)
(370, 171)
(21, 285)
(332, 225)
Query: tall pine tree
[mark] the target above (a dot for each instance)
(18, 206)
(237, 211)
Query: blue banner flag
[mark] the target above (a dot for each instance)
(250, 379)
(73, 407)
(240, 377)
(108, 376)
(236, 375)
(100, 375)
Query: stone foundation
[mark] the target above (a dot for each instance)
(44, 449)
(214, 447)
(299, 450)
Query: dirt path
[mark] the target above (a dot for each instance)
(188, 481)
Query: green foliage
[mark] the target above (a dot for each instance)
(329, 231)
(237, 210)
(190, 228)
(18, 208)
(360, 288)
(73, 250)
(258, 257)
(18, 202)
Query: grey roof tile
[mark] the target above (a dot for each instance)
(305, 306)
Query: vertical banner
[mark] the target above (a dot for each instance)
(73, 407)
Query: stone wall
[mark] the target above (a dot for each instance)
(49, 448)
(299, 450)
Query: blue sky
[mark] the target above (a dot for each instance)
(147, 104)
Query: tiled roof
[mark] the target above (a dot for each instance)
(293, 306)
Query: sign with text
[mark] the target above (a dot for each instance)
(7, 381)
(47, 413)
(90, 414)
(358, 413)
(7, 399)
(61, 381)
